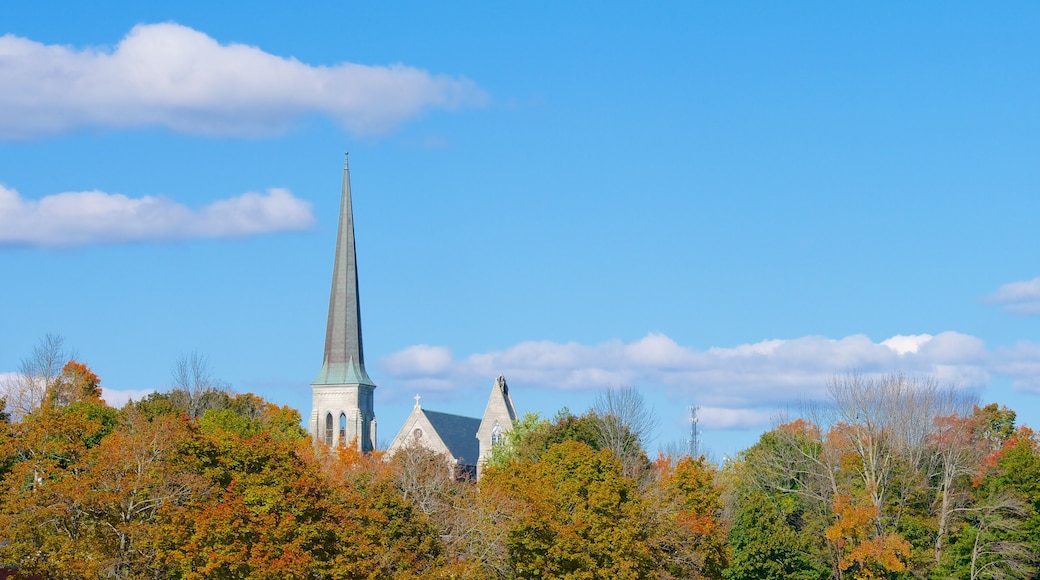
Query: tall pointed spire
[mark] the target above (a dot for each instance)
(344, 352)
(343, 393)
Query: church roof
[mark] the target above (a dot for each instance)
(344, 362)
(458, 433)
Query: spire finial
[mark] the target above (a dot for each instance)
(346, 155)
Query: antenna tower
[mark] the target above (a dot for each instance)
(695, 445)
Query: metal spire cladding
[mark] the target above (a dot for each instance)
(344, 362)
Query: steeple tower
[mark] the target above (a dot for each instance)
(342, 409)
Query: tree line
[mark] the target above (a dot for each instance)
(892, 477)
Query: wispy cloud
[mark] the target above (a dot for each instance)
(1019, 298)
(1020, 362)
(88, 217)
(117, 398)
(168, 75)
(723, 418)
(737, 386)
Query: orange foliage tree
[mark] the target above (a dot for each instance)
(692, 531)
(862, 552)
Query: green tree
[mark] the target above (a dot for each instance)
(778, 502)
(579, 517)
(1001, 527)
(770, 541)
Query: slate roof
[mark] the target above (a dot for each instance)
(458, 433)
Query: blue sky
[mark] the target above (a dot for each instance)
(720, 204)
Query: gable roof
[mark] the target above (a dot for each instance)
(458, 433)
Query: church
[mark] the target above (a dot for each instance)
(342, 409)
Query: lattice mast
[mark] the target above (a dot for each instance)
(695, 444)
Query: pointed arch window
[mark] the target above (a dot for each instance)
(342, 428)
(497, 438)
(328, 429)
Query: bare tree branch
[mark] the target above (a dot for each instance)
(624, 424)
(37, 372)
(192, 376)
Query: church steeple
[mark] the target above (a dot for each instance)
(344, 361)
(343, 392)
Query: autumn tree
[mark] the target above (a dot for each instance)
(691, 532)
(130, 483)
(76, 382)
(92, 492)
(579, 516)
(884, 425)
(43, 510)
(881, 471)
(26, 390)
(400, 541)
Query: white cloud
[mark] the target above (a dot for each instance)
(1019, 298)
(421, 360)
(758, 375)
(903, 344)
(168, 75)
(117, 398)
(723, 418)
(1022, 363)
(75, 218)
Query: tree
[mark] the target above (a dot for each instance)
(997, 549)
(1001, 527)
(778, 497)
(957, 457)
(425, 477)
(193, 382)
(44, 510)
(130, 483)
(623, 425)
(691, 531)
(862, 552)
(886, 422)
(516, 439)
(532, 436)
(76, 382)
(579, 517)
(896, 452)
(387, 536)
(770, 541)
(26, 391)
(472, 522)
